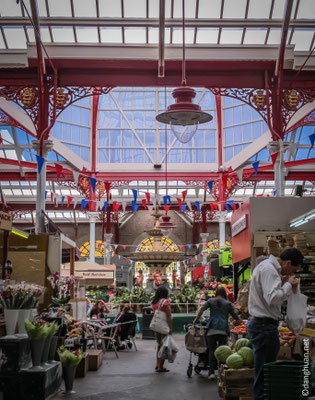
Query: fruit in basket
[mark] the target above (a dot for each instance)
(235, 361)
(247, 355)
(243, 342)
(222, 353)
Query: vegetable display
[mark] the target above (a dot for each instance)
(242, 343)
(235, 361)
(222, 353)
(247, 355)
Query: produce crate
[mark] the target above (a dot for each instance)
(95, 359)
(236, 383)
(283, 380)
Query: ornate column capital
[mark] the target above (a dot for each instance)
(48, 145)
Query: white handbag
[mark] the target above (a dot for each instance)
(159, 323)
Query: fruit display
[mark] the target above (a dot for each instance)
(247, 355)
(235, 361)
(240, 329)
(242, 343)
(222, 353)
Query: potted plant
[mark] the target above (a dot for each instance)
(37, 333)
(69, 360)
(32, 294)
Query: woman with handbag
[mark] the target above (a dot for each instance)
(162, 322)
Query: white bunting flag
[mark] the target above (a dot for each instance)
(240, 174)
(150, 207)
(124, 204)
(197, 189)
(76, 176)
(188, 204)
(75, 202)
(120, 191)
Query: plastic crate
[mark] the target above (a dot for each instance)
(283, 380)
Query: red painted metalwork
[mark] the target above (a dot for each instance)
(307, 120)
(218, 104)
(8, 120)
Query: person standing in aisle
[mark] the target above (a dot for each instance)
(266, 295)
(217, 325)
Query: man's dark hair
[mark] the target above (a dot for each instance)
(294, 255)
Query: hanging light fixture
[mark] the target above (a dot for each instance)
(184, 116)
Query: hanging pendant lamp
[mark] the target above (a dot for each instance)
(184, 116)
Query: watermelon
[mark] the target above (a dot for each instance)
(242, 343)
(247, 355)
(222, 353)
(235, 361)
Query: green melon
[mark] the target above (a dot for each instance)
(242, 343)
(247, 355)
(222, 353)
(235, 361)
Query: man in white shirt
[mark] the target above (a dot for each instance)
(266, 295)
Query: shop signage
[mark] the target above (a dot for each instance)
(239, 226)
(91, 274)
(5, 221)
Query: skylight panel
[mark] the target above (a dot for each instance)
(302, 39)
(9, 8)
(2, 44)
(41, 8)
(60, 8)
(111, 35)
(154, 35)
(207, 36)
(306, 9)
(15, 37)
(45, 35)
(62, 34)
(178, 36)
(231, 36)
(255, 36)
(110, 8)
(135, 8)
(135, 35)
(209, 9)
(279, 7)
(154, 9)
(84, 8)
(274, 36)
(234, 9)
(30, 34)
(87, 34)
(190, 9)
(259, 9)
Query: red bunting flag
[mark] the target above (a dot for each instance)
(116, 206)
(144, 202)
(181, 247)
(1, 140)
(124, 246)
(230, 169)
(184, 194)
(69, 201)
(83, 170)
(59, 169)
(147, 195)
(214, 206)
(274, 157)
(167, 208)
(234, 206)
(107, 187)
(179, 203)
(259, 195)
(127, 259)
(52, 196)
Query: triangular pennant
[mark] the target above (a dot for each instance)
(56, 198)
(197, 190)
(312, 139)
(189, 205)
(58, 169)
(274, 157)
(147, 195)
(75, 203)
(62, 200)
(255, 166)
(181, 247)
(124, 246)
(52, 197)
(86, 202)
(167, 208)
(179, 201)
(239, 173)
(107, 187)
(184, 194)
(76, 176)
(198, 206)
(46, 194)
(144, 202)
(274, 192)
(105, 205)
(69, 201)
(134, 206)
(183, 207)
(93, 183)
(40, 162)
(115, 246)
(124, 204)
(210, 185)
(82, 204)
(135, 194)
(150, 207)
(227, 206)
(116, 206)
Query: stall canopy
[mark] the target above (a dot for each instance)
(90, 273)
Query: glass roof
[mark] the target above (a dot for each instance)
(228, 22)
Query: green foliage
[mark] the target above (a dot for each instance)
(36, 330)
(52, 329)
(135, 295)
(69, 358)
(187, 294)
(56, 302)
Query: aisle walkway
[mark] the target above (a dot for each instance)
(132, 377)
